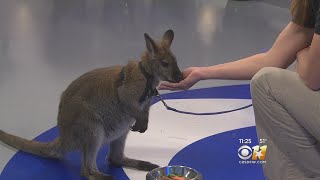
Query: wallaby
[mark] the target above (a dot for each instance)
(103, 105)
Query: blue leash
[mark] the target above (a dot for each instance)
(199, 114)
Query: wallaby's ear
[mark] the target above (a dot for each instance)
(151, 45)
(167, 38)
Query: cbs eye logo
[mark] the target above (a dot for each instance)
(245, 152)
(256, 152)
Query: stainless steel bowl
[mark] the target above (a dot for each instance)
(183, 171)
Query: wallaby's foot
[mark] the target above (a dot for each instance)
(133, 163)
(89, 167)
(95, 175)
(146, 166)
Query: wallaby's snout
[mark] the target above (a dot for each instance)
(178, 77)
(163, 61)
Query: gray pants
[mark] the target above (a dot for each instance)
(287, 114)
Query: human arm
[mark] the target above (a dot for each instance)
(283, 53)
(309, 64)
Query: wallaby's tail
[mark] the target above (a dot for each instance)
(48, 150)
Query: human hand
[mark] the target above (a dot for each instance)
(190, 77)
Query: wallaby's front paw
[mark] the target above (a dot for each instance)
(134, 128)
(138, 128)
(142, 130)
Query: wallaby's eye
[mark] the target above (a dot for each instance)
(164, 63)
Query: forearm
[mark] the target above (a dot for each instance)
(306, 73)
(243, 69)
(301, 57)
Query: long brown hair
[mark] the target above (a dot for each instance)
(301, 11)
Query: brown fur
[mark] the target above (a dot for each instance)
(100, 106)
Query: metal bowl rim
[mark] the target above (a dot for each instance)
(198, 174)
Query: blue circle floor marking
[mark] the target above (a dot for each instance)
(216, 157)
(217, 161)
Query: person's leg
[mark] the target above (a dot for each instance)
(287, 114)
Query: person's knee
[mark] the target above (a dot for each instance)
(264, 74)
(259, 81)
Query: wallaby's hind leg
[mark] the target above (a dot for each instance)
(89, 154)
(116, 156)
